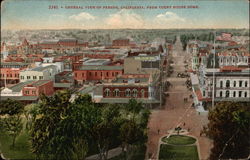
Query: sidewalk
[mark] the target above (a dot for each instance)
(112, 153)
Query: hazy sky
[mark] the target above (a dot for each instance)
(35, 14)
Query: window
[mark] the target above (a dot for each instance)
(82, 74)
(28, 77)
(245, 94)
(245, 83)
(95, 73)
(221, 84)
(220, 93)
(240, 92)
(40, 77)
(101, 73)
(7, 75)
(127, 93)
(234, 94)
(112, 73)
(240, 83)
(116, 92)
(142, 93)
(228, 84)
(89, 73)
(33, 92)
(107, 73)
(134, 92)
(27, 92)
(75, 74)
(22, 77)
(204, 93)
(107, 92)
(34, 77)
(234, 83)
(227, 93)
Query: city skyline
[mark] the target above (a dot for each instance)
(33, 14)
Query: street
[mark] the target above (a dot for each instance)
(176, 112)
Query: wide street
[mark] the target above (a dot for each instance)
(177, 112)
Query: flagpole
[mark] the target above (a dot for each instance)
(213, 72)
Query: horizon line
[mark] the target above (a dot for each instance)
(124, 29)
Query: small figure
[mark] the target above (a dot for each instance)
(158, 131)
(184, 124)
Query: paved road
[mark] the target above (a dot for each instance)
(176, 111)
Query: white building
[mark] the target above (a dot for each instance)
(229, 86)
(39, 73)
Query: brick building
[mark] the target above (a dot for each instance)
(120, 43)
(38, 87)
(9, 72)
(96, 73)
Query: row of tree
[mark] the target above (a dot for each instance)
(203, 37)
(62, 129)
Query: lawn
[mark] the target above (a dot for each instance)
(21, 149)
(179, 140)
(168, 152)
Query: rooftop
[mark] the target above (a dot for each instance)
(39, 83)
(20, 98)
(41, 68)
(126, 100)
(18, 87)
(101, 68)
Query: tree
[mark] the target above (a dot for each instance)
(229, 125)
(12, 121)
(106, 132)
(53, 110)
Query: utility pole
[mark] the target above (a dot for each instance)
(213, 94)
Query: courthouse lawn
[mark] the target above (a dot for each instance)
(22, 149)
(169, 152)
(179, 140)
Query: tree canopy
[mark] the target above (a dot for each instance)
(229, 125)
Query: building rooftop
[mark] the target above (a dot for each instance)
(20, 98)
(101, 68)
(62, 85)
(18, 87)
(126, 100)
(96, 62)
(42, 68)
(131, 80)
(39, 83)
(14, 63)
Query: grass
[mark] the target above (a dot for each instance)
(179, 140)
(21, 149)
(168, 152)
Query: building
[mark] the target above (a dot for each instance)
(37, 88)
(231, 84)
(96, 73)
(120, 43)
(29, 91)
(10, 71)
(142, 64)
(39, 73)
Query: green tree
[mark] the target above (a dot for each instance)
(106, 131)
(12, 121)
(229, 127)
(13, 125)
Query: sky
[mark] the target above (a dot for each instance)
(35, 14)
